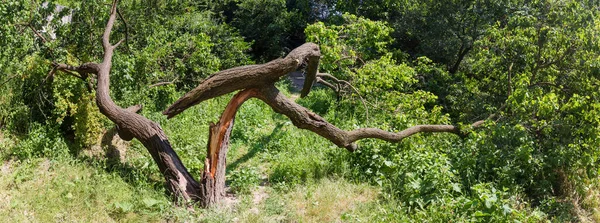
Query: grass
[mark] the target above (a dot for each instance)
(279, 173)
(70, 187)
(41, 190)
(331, 201)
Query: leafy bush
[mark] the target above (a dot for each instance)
(42, 141)
(244, 180)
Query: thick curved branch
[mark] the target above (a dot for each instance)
(126, 135)
(131, 125)
(305, 119)
(239, 78)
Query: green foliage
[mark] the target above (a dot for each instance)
(442, 30)
(42, 141)
(535, 64)
(88, 121)
(533, 67)
(383, 75)
(244, 180)
(350, 44)
(186, 49)
(269, 24)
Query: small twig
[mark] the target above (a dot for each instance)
(50, 75)
(539, 84)
(329, 85)
(37, 33)
(9, 79)
(118, 43)
(331, 77)
(126, 28)
(162, 83)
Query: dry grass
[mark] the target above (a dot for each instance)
(328, 200)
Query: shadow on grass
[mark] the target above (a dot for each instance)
(257, 147)
(130, 174)
(109, 160)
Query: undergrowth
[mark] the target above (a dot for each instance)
(276, 172)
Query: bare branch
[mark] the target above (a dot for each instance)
(37, 33)
(119, 43)
(329, 85)
(131, 125)
(262, 77)
(8, 79)
(126, 28)
(305, 119)
(331, 77)
(161, 84)
(83, 69)
(108, 48)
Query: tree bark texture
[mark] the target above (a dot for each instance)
(131, 125)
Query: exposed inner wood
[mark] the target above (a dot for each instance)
(217, 137)
(213, 178)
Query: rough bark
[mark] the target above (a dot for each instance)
(262, 77)
(311, 74)
(131, 125)
(244, 77)
(306, 119)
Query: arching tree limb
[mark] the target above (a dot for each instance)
(263, 78)
(305, 119)
(239, 78)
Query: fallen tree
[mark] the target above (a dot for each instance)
(253, 81)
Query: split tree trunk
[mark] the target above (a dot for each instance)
(213, 178)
